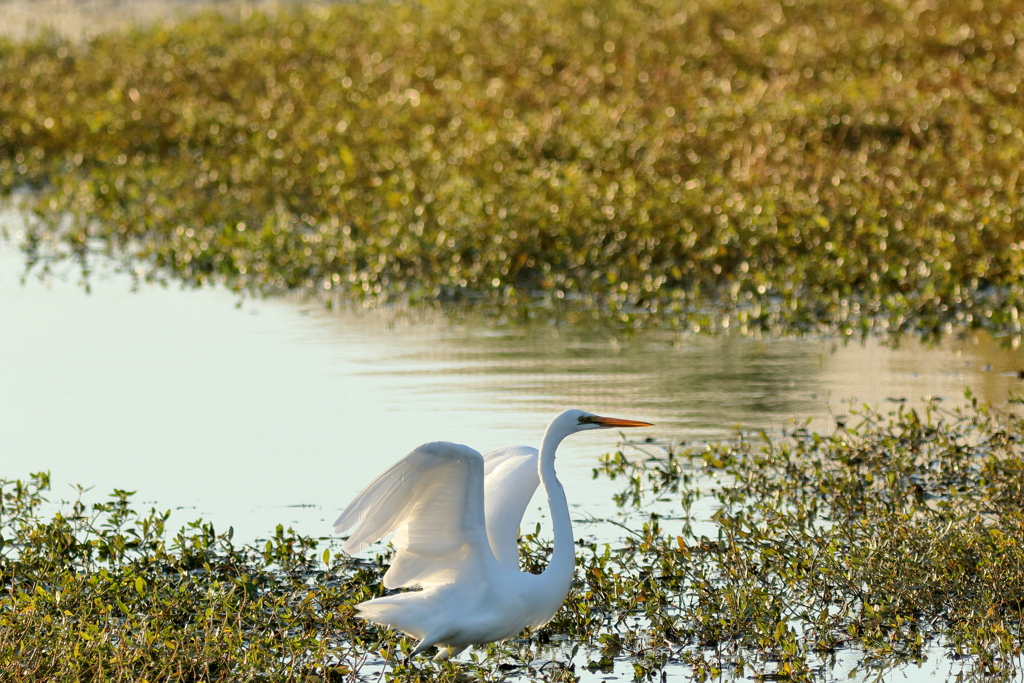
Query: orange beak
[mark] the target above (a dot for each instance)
(617, 422)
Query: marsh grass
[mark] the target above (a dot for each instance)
(897, 537)
(102, 593)
(889, 536)
(844, 164)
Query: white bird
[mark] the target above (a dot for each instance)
(456, 515)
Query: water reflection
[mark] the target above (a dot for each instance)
(241, 413)
(695, 387)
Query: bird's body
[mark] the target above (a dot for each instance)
(455, 515)
(459, 614)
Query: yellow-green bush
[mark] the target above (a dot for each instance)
(837, 161)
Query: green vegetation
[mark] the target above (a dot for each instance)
(881, 540)
(838, 163)
(888, 537)
(102, 593)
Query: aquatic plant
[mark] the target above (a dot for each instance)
(891, 537)
(893, 541)
(719, 163)
(102, 593)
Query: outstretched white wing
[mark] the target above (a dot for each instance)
(433, 499)
(510, 480)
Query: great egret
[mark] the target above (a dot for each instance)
(456, 515)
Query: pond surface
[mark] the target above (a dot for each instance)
(253, 413)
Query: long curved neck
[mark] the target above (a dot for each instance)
(562, 566)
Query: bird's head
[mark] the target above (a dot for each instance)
(572, 421)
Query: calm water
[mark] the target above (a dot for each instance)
(253, 413)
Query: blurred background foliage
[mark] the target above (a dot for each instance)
(840, 163)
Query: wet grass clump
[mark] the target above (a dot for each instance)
(894, 542)
(102, 593)
(723, 163)
(897, 539)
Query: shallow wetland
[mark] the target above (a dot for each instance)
(254, 252)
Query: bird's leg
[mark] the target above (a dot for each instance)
(421, 646)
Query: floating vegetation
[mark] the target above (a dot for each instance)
(894, 541)
(837, 164)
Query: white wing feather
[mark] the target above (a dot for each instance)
(433, 499)
(511, 478)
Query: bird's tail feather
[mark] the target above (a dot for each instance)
(402, 611)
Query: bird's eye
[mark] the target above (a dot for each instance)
(582, 420)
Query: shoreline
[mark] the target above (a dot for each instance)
(85, 19)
